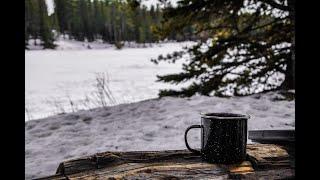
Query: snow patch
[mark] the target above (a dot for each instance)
(54, 75)
(63, 42)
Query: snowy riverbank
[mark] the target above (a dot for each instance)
(64, 43)
(54, 77)
(155, 124)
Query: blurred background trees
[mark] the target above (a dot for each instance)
(113, 21)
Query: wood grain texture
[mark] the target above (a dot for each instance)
(265, 161)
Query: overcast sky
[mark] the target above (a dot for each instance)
(148, 3)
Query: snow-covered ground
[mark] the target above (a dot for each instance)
(64, 43)
(155, 124)
(54, 77)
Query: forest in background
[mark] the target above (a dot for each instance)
(113, 21)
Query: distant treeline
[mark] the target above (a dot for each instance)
(113, 21)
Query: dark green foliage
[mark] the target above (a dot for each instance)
(242, 46)
(63, 12)
(32, 19)
(38, 24)
(45, 31)
(113, 21)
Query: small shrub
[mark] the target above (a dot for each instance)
(119, 45)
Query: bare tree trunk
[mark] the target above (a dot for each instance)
(293, 42)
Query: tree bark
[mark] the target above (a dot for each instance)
(289, 82)
(289, 76)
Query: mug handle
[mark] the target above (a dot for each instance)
(185, 138)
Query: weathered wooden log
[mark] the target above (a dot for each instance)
(263, 160)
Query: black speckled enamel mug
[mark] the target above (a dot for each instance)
(223, 137)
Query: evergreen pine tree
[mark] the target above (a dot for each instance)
(91, 21)
(105, 22)
(32, 18)
(27, 20)
(45, 32)
(85, 21)
(248, 46)
(98, 21)
(63, 12)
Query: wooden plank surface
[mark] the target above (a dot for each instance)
(263, 160)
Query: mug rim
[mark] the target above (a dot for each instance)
(222, 115)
